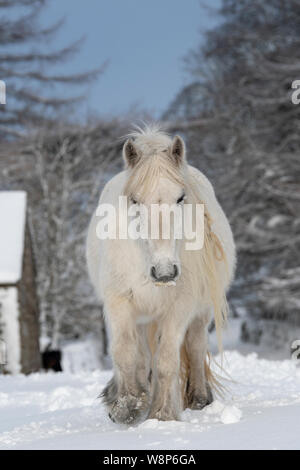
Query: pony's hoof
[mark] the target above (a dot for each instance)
(164, 414)
(198, 401)
(128, 409)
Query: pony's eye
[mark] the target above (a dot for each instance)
(181, 199)
(133, 200)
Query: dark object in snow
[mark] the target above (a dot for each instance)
(52, 360)
(251, 333)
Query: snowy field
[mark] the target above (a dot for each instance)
(261, 410)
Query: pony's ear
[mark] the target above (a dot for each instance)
(130, 154)
(178, 150)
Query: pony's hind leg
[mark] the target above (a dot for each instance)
(143, 362)
(198, 393)
(126, 397)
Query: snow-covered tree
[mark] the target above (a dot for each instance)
(248, 142)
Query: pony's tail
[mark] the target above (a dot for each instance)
(185, 368)
(212, 378)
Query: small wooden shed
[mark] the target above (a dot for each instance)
(19, 316)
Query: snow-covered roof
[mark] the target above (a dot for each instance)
(12, 232)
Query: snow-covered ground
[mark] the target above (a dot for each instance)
(261, 410)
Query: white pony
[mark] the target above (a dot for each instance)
(158, 333)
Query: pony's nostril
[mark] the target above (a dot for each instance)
(153, 272)
(175, 270)
(164, 276)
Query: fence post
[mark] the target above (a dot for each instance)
(3, 355)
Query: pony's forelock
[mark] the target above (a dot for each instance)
(155, 162)
(145, 176)
(150, 138)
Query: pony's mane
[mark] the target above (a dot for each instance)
(208, 259)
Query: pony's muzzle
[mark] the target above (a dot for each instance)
(164, 274)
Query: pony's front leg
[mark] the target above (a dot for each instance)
(129, 402)
(167, 400)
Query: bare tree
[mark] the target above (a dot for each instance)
(63, 172)
(25, 65)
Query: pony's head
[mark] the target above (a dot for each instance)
(156, 179)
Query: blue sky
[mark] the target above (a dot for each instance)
(143, 40)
